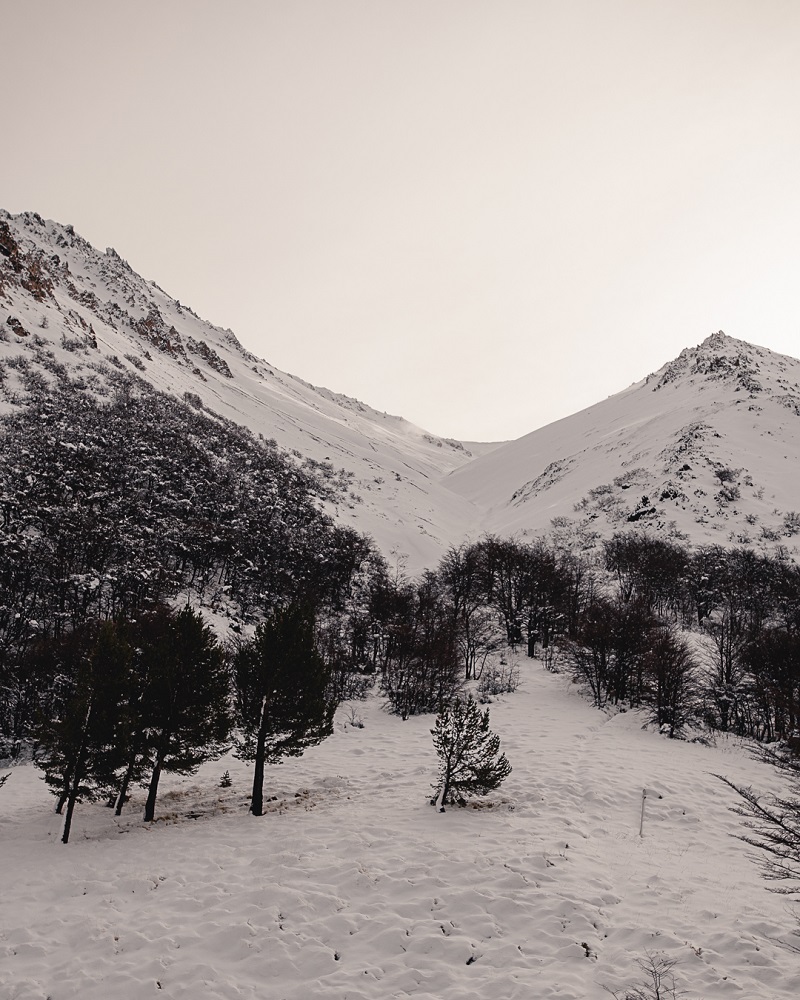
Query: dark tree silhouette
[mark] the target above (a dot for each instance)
(185, 713)
(282, 694)
(421, 670)
(670, 678)
(78, 745)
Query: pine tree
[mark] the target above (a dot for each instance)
(282, 685)
(468, 754)
(185, 715)
(78, 744)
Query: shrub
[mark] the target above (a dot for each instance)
(504, 679)
(659, 982)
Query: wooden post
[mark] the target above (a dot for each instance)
(641, 822)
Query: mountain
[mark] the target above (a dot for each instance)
(63, 302)
(705, 449)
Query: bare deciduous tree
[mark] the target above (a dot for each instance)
(773, 822)
(659, 982)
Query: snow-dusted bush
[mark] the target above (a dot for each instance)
(502, 679)
(353, 719)
(659, 981)
(791, 522)
(728, 494)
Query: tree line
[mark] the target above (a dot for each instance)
(707, 636)
(134, 698)
(130, 697)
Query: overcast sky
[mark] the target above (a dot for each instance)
(480, 214)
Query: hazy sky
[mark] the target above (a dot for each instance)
(481, 214)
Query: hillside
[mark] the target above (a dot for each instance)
(705, 450)
(63, 301)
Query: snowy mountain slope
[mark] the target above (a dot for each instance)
(351, 885)
(707, 448)
(63, 302)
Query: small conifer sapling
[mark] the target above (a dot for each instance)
(470, 762)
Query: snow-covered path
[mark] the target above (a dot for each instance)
(352, 886)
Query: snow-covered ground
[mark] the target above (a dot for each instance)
(352, 886)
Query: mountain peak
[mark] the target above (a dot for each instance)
(705, 449)
(718, 358)
(718, 341)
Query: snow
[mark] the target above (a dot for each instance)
(398, 468)
(723, 403)
(352, 886)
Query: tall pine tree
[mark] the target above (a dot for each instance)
(282, 687)
(79, 747)
(184, 713)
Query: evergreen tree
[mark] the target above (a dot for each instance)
(133, 722)
(78, 745)
(468, 754)
(282, 688)
(184, 714)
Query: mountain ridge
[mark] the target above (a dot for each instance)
(703, 449)
(63, 302)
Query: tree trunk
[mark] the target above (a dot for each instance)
(71, 800)
(64, 794)
(443, 794)
(123, 790)
(257, 800)
(150, 806)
